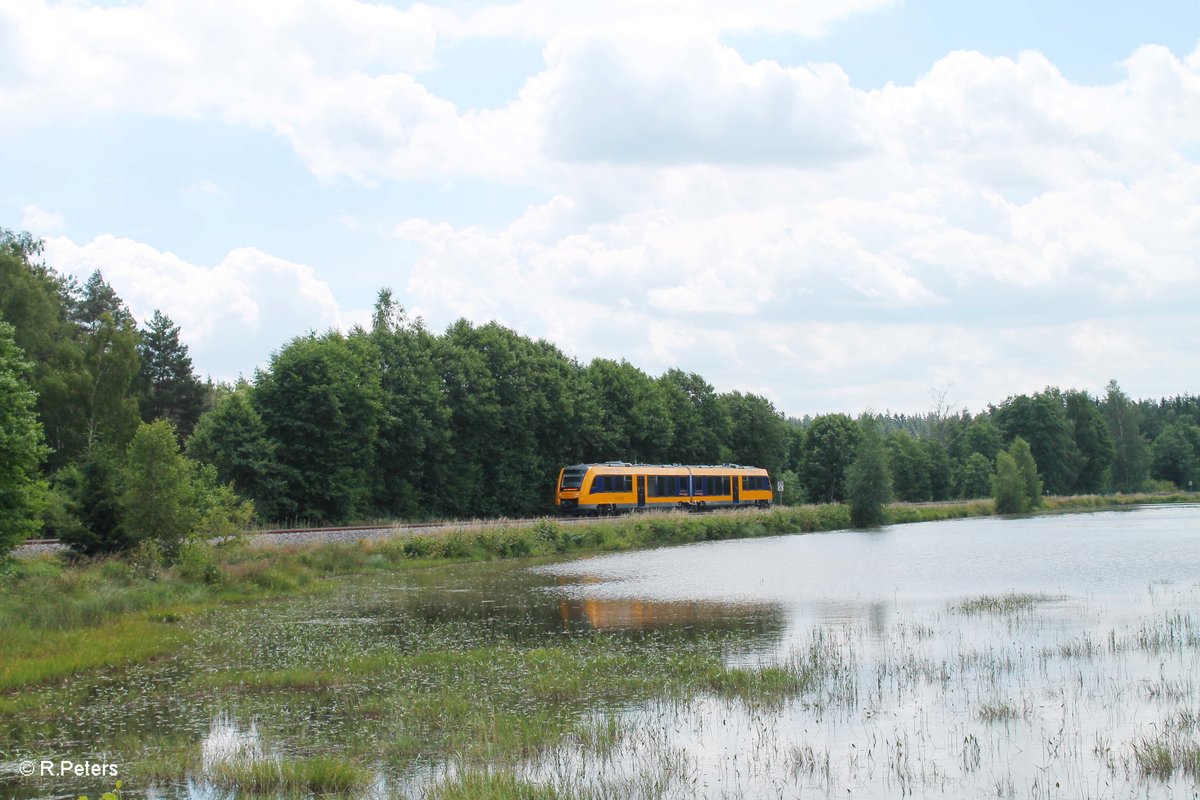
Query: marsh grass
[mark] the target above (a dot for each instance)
(1012, 603)
(1001, 711)
(272, 776)
(491, 785)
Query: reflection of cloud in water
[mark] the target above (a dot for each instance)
(227, 742)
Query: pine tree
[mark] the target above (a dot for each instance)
(169, 389)
(97, 298)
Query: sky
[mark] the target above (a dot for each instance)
(841, 205)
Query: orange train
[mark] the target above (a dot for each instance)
(617, 487)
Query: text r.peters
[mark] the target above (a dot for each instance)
(78, 769)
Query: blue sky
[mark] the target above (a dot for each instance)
(841, 205)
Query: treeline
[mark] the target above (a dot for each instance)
(1081, 444)
(397, 421)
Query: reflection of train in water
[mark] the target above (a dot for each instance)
(616, 487)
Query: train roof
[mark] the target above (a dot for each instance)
(620, 464)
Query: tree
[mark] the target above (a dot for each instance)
(634, 417)
(414, 453)
(1093, 442)
(232, 438)
(1008, 487)
(907, 460)
(869, 482)
(973, 478)
(158, 500)
(1022, 456)
(981, 436)
(320, 402)
(168, 387)
(1174, 455)
(21, 447)
(96, 299)
(1130, 461)
(757, 434)
(701, 418)
(1041, 420)
(95, 485)
(829, 446)
(941, 482)
(35, 301)
(111, 365)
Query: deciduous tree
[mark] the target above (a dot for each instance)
(869, 481)
(829, 445)
(21, 447)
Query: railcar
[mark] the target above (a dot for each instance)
(619, 487)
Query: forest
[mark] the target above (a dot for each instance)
(108, 437)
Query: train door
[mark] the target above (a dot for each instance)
(737, 485)
(641, 482)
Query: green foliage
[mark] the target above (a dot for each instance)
(320, 402)
(1008, 487)
(36, 301)
(158, 499)
(1041, 420)
(826, 455)
(973, 477)
(1093, 442)
(220, 512)
(983, 437)
(95, 483)
(908, 461)
(413, 451)
(941, 478)
(635, 421)
(168, 387)
(1132, 456)
(758, 433)
(702, 422)
(1175, 455)
(21, 447)
(869, 482)
(232, 438)
(1027, 468)
(793, 489)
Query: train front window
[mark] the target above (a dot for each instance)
(572, 478)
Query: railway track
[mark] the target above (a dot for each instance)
(352, 532)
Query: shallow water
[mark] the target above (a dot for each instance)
(1092, 650)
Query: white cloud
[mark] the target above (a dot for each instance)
(40, 222)
(544, 19)
(231, 315)
(667, 98)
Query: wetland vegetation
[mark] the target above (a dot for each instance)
(901, 660)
